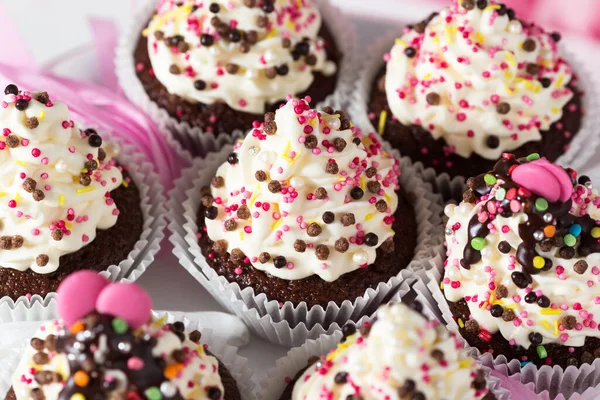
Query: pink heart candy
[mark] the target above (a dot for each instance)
(77, 295)
(127, 301)
(545, 179)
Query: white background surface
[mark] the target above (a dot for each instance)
(58, 34)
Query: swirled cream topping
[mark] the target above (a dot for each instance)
(524, 253)
(402, 356)
(480, 79)
(189, 371)
(304, 194)
(243, 53)
(56, 183)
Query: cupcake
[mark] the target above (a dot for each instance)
(306, 209)
(107, 345)
(401, 355)
(472, 82)
(521, 276)
(64, 199)
(220, 65)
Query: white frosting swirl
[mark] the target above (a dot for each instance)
(53, 153)
(571, 294)
(249, 88)
(402, 345)
(475, 60)
(200, 370)
(278, 219)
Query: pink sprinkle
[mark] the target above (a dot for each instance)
(85, 238)
(35, 232)
(45, 160)
(36, 152)
(72, 149)
(238, 271)
(135, 363)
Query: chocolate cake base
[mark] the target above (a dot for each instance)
(229, 384)
(313, 290)
(411, 140)
(219, 117)
(556, 354)
(110, 247)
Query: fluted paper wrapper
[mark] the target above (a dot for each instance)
(227, 354)
(139, 258)
(581, 149)
(195, 140)
(277, 379)
(288, 324)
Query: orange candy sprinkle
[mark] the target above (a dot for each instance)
(550, 231)
(173, 370)
(77, 327)
(81, 379)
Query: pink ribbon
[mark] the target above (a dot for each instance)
(92, 104)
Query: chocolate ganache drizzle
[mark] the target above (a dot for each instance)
(549, 224)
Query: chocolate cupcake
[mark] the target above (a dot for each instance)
(220, 65)
(64, 199)
(521, 275)
(108, 345)
(470, 83)
(401, 355)
(307, 210)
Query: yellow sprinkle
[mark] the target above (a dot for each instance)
(556, 331)
(538, 262)
(125, 184)
(178, 14)
(200, 350)
(400, 42)
(286, 149)
(254, 195)
(17, 197)
(546, 325)
(426, 77)
(510, 90)
(510, 58)
(596, 233)
(559, 81)
(508, 75)
(42, 115)
(382, 121)
(510, 306)
(2, 194)
(69, 225)
(484, 305)
(492, 7)
(86, 189)
(461, 324)
(277, 224)
(387, 198)
(272, 34)
(550, 311)
(241, 234)
(363, 182)
(479, 37)
(160, 322)
(21, 163)
(290, 25)
(555, 110)
(369, 216)
(61, 200)
(341, 347)
(466, 363)
(448, 33)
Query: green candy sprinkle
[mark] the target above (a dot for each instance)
(489, 179)
(500, 194)
(533, 157)
(570, 240)
(153, 393)
(119, 325)
(478, 243)
(541, 352)
(541, 204)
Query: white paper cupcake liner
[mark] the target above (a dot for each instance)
(278, 378)
(196, 141)
(289, 324)
(227, 354)
(139, 258)
(581, 149)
